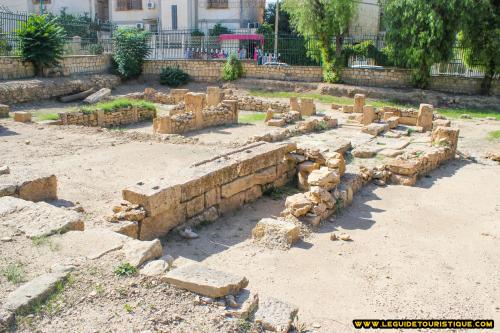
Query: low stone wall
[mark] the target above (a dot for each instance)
(208, 189)
(107, 119)
(291, 73)
(461, 85)
(249, 103)
(12, 68)
(388, 78)
(20, 91)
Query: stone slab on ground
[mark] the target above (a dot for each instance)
(91, 243)
(375, 128)
(37, 219)
(247, 301)
(206, 281)
(34, 291)
(277, 229)
(275, 315)
(138, 252)
(30, 186)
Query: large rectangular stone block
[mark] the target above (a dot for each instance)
(425, 116)
(155, 198)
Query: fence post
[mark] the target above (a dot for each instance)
(76, 44)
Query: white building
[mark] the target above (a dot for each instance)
(93, 8)
(187, 14)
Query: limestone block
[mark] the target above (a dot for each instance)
(195, 102)
(369, 115)
(155, 198)
(239, 185)
(206, 281)
(347, 108)
(137, 252)
(159, 225)
(359, 103)
(364, 152)
(212, 197)
(307, 107)
(425, 116)
(40, 188)
(409, 121)
(231, 204)
(441, 122)
(393, 122)
(294, 104)
(387, 115)
(22, 117)
(127, 228)
(446, 136)
(247, 303)
(275, 315)
(178, 94)
(253, 193)
(35, 291)
(38, 219)
(215, 95)
(298, 204)
(406, 180)
(195, 206)
(154, 268)
(375, 128)
(324, 178)
(269, 115)
(403, 167)
(276, 122)
(276, 229)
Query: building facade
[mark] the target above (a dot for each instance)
(93, 8)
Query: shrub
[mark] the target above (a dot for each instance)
(232, 69)
(218, 30)
(173, 77)
(197, 33)
(96, 49)
(125, 269)
(41, 41)
(131, 48)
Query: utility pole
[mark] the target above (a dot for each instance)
(41, 7)
(276, 29)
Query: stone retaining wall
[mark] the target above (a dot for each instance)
(388, 78)
(107, 119)
(12, 68)
(20, 91)
(204, 191)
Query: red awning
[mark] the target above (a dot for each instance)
(242, 37)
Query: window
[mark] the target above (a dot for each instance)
(218, 4)
(128, 4)
(174, 17)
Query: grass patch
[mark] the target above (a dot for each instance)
(117, 104)
(494, 135)
(14, 273)
(47, 116)
(251, 118)
(125, 269)
(455, 113)
(128, 308)
(45, 241)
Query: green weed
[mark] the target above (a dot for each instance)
(249, 118)
(494, 135)
(125, 269)
(14, 273)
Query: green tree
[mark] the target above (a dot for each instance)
(232, 69)
(41, 41)
(480, 36)
(131, 48)
(218, 30)
(319, 21)
(284, 26)
(421, 33)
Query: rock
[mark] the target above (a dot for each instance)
(6, 319)
(169, 260)
(137, 252)
(127, 228)
(22, 117)
(364, 152)
(403, 167)
(34, 292)
(247, 302)
(6, 239)
(425, 116)
(345, 237)
(441, 122)
(155, 267)
(333, 237)
(91, 243)
(187, 233)
(359, 103)
(275, 315)
(307, 107)
(231, 301)
(465, 116)
(391, 152)
(494, 156)
(205, 281)
(449, 136)
(324, 178)
(392, 122)
(4, 170)
(38, 188)
(7, 190)
(369, 115)
(38, 219)
(406, 180)
(298, 204)
(375, 128)
(276, 122)
(276, 229)
(97, 96)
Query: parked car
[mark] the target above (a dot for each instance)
(276, 64)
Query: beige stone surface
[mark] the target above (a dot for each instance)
(22, 117)
(441, 122)
(359, 103)
(403, 167)
(425, 116)
(393, 122)
(137, 252)
(369, 115)
(38, 219)
(275, 315)
(205, 281)
(298, 204)
(307, 107)
(375, 128)
(273, 228)
(324, 177)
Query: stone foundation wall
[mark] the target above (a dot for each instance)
(248, 103)
(208, 189)
(461, 85)
(291, 73)
(12, 68)
(20, 91)
(389, 78)
(107, 119)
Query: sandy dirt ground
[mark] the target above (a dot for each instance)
(429, 251)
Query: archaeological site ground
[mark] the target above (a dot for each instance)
(243, 208)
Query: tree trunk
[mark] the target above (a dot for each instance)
(488, 78)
